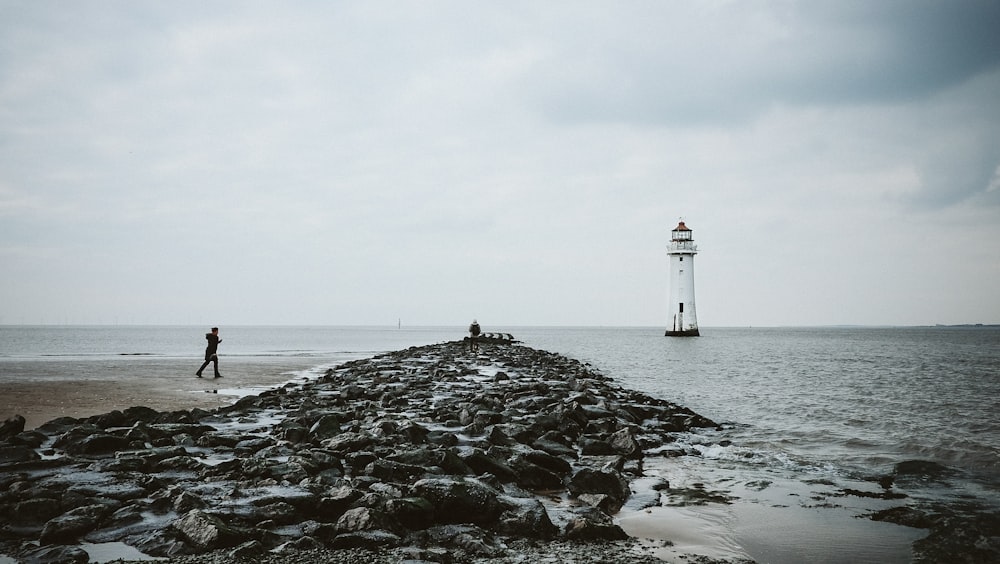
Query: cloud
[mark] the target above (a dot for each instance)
(718, 63)
(351, 163)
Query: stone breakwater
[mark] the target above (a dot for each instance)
(430, 452)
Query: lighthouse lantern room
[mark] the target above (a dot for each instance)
(683, 318)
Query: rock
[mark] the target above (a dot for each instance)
(98, 443)
(207, 532)
(17, 453)
(480, 463)
(187, 501)
(623, 442)
(589, 530)
(280, 512)
(528, 519)
(348, 442)
(391, 471)
(533, 476)
(371, 540)
(336, 502)
(590, 446)
(55, 555)
(247, 551)
(325, 427)
(32, 439)
(72, 525)
(36, 510)
(607, 482)
(460, 500)
(362, 519)
(411, 512)
(552, 463)
(555, 448)
(11, 427)
(141, 413)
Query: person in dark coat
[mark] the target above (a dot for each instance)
(474, 332)
(211, 351)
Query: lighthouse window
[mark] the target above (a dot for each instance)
(682, 308)
(682, 259)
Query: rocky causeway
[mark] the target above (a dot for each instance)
(425, 454)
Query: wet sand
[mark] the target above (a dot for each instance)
(43, 391)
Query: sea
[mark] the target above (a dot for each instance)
(810, 418)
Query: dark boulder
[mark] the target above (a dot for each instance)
(73, 524)
(392, 471)
(481, 463)
(585, 529)
(363, 519)
(17, 453)
(326, 427)
(606, 482)
(36, 510)
(527, 518)
(57, 554)
(532, 476)
(370, 540)
(11, 427)
(623, 442)
(590, 446)
(550, 462)
(460, 500)
(207, 532)
(411, 512)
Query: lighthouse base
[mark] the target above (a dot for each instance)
(685, 333)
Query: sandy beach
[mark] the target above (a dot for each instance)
(41, 392)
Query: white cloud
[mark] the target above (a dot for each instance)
(316, 163)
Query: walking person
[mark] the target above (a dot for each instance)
(474, 332)
(211, 351)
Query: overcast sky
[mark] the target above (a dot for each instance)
(518, 162)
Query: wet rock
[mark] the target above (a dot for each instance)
(247, 551)
(37, 510)
(326, 427)
(392, 471)
(623, 442)
(186, 501)
(411, 512)
(55, 555)
(95, 443)
(17, 453)
(11, 427)
(72, 525)
(588, 529)
(533, 476)
(590, 446)
(552, 463)
(601, 482)
(363, 519)
(281, 513)
(370, 540)
(460, 500)
(527, 518)
(33, 439)
(206, 532)
(480, 463)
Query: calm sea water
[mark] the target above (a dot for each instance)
(800, 406)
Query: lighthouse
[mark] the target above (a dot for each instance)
(683, 319)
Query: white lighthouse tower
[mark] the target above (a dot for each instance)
(683, 319)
